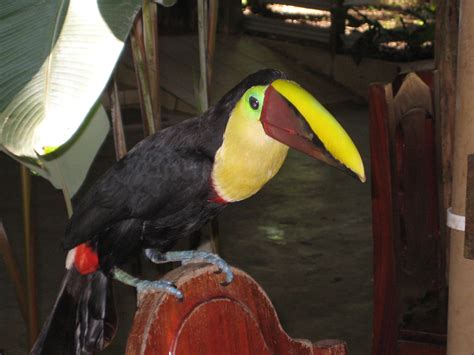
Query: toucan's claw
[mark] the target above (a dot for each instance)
(147, 285)
(159, 285)
(189, 256)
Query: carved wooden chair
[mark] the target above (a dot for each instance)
(237, 319)
(410, 295)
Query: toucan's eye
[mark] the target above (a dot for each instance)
(253, 101)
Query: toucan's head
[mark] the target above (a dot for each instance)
(291, 115)
(269, 114)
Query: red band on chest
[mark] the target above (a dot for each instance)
(214, 196)
(218, 199)
(86, 260)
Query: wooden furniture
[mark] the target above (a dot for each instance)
(237, 319)
(410, 296)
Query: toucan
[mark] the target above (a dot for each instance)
(173, 182)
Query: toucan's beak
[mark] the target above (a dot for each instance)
(294, 117)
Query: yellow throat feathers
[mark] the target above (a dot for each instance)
(248, 158)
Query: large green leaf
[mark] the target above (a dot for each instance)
(56, 57)
(67, 167)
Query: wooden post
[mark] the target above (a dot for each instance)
(141, 72)
(338, 25)
(144, 43)
(469, 237)
(203, 46)
(446, 42)
(211, 40)
(231, 16)
(461, 270)
(30, 257)
(386, 291)
(120, 142)
(150, 40)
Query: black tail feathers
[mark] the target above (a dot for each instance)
(83, 318)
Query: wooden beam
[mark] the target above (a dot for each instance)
(203, 26)
(446, 42)
(386, 291)
(120, 143)
(150, 40)
(469, 237)
(211, 39)
(461, 270)
(30, 257)
(338, 26)
(231, 16)
(141, 71)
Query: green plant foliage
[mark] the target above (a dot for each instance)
(417, 36)
(56, 57)
(67, 166)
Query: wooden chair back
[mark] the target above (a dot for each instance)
(237, 319)
(409, 252)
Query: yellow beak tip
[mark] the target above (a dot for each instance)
(360, 172)
(358, 169)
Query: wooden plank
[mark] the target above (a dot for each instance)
(469, 234)
(211, 38)
(279, 27)
(150, 40)
(313, 4)
(385, 320)
(232, 15)
(415, 188)
(30, 257)
(203, 92)
(141, 71)
(120, 143)
(338, 26)
(446, 43)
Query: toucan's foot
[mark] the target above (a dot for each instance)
(147, 285)
(191, 255)
(159, 285)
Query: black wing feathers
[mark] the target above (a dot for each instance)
(151, 181)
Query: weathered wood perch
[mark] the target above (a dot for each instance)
(237, 319)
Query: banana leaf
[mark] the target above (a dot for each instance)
(56, 58)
